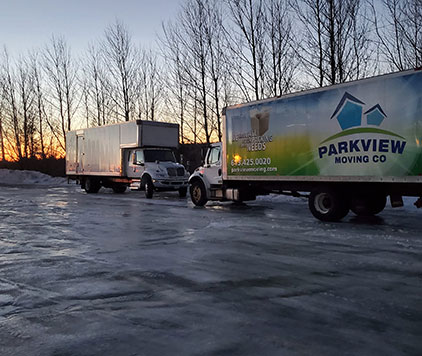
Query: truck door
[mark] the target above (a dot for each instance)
(80, 154)
(213, 162)
(136, 164)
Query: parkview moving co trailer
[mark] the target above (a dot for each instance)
(349, 145)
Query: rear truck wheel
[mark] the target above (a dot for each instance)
(198, 193)
(149, 187)
(182, 192)
(328, 204)
(119, 188)
(369, 204)
(92, 185)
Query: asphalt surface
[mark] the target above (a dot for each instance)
(110, 274)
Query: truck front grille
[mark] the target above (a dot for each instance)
(173, 172)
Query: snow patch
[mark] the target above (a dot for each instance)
(278, 198)
(8, 176)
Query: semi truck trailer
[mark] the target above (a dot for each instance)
(136, 154)
(345, 147)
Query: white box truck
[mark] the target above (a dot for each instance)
(348, 146)
(139, 154)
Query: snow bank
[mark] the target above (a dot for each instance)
(8, 176)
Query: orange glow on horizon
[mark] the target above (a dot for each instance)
(10, 154)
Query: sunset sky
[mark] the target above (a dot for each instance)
(28, 24)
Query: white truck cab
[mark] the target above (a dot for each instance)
(156, 169)
(206, 181)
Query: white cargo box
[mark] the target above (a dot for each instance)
(98, 150)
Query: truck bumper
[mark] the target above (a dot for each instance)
(167, 184)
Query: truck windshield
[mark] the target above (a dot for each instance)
(159, 155)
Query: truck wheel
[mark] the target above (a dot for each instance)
(198, 193)
(368, 205)
(328, 205)
(92, 185)
(182, 192)
(149, 188)
(119, 188)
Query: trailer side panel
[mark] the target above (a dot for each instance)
(369, 129)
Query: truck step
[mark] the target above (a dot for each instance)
(135, 185)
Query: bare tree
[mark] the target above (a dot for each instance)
(246, 41)
(97, 94)
(282, 62)
(61, 73)
(39, 98)
(171, 51)
(11, 107)
(192, 37)
(194, 46)
(399, 32)
(334, 45)
(214, 35)
(149, 86)
(26, 96)
(2, 151)
(122, 58)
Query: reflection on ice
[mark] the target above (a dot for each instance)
(115, 274)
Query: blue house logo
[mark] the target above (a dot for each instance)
(375, 115)
(360, 142)
(349, 113)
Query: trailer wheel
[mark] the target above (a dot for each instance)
(92, 185)
(149, 187)
(119, 188)
(368, 205)
(328, 205)
(198, 193)
(182, 192)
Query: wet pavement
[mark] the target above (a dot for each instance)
(111, 274)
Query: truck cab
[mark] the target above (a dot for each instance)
(155, 169)
(206, 181)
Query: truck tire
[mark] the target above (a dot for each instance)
(149, 187)
(328, 204)
(182, 192)
(92, 185)
(368, 205)
(198, 193)
(119, 188)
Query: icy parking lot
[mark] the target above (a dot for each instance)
(111, 274)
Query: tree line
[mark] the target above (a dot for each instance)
(213, 53)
